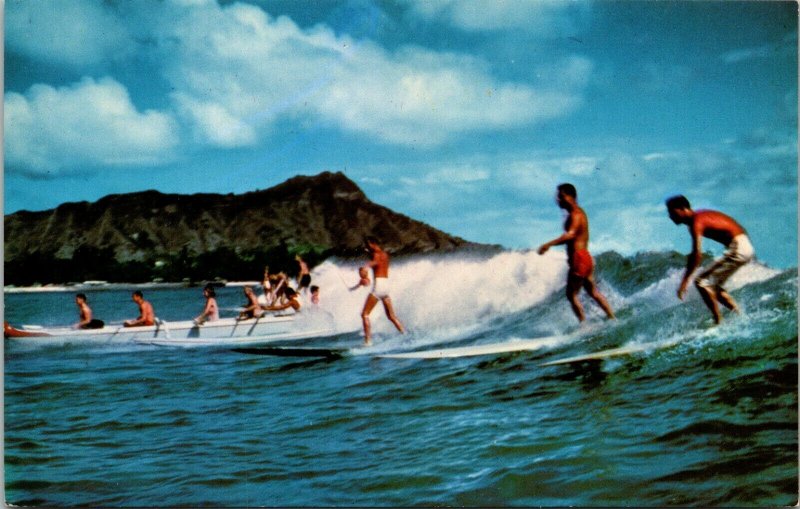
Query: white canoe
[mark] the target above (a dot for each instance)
(226, 331)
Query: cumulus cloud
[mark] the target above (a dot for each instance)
(58, 130)
(542, 17)
(71, 33)
(236, 71)
(539, 174)
(623, 192)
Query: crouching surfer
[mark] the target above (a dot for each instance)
(725, 230)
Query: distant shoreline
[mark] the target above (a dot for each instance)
(84, 287)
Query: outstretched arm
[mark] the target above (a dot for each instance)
(280, 307)
(692, 262)
(362, 280)
(568, 235)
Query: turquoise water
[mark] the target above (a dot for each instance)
(709, 421)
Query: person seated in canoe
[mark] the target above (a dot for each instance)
(146, 314)
(85, 315)
(315, 295)
(252, 309)
(266, 287)
(211, 311)
(291, 301)
(281, 294)
(303, 275)
(281, 281)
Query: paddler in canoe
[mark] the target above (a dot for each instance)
(85, 314)
(146, 314)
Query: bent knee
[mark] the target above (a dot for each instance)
(703, 284)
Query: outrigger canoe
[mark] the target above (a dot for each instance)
(225, 331)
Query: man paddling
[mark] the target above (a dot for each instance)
(725, 230)
(146, 314)
(292, 301)
(252, 308)
(85, 314)
(581, 265)
(380, 289)
(303, 275)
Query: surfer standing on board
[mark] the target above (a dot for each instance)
(380, 289)
(146, 314)
(581, 265)
(725, 230)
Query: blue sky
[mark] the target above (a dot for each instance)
(465, 115)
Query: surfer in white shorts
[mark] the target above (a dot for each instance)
(380, 289)
(725, 230)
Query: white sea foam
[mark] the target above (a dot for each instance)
(445, 298)
(663, 292)
(445, 294)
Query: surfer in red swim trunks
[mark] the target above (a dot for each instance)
(581, 265)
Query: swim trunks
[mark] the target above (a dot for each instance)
(739, 252)
(305, 280)
(380, 288)
(581, 264)
(94, 324)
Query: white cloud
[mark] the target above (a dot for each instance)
(660, 156)
(214, 123)
(741, 55)
(53, 130)
(237, 71)
(509, 198)
(372, 181)
(569, 73)
(66, 32)
(449, 175)
(542, 17)
(539, 174)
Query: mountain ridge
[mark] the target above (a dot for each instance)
(150, 234)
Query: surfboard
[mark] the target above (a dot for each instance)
(294, 351)
(612, 352)
(471, 351)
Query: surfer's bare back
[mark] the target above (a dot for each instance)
(725, 230)
(581, 264)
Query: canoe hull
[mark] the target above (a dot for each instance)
(186, 333)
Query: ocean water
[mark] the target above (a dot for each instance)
(710, 420)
